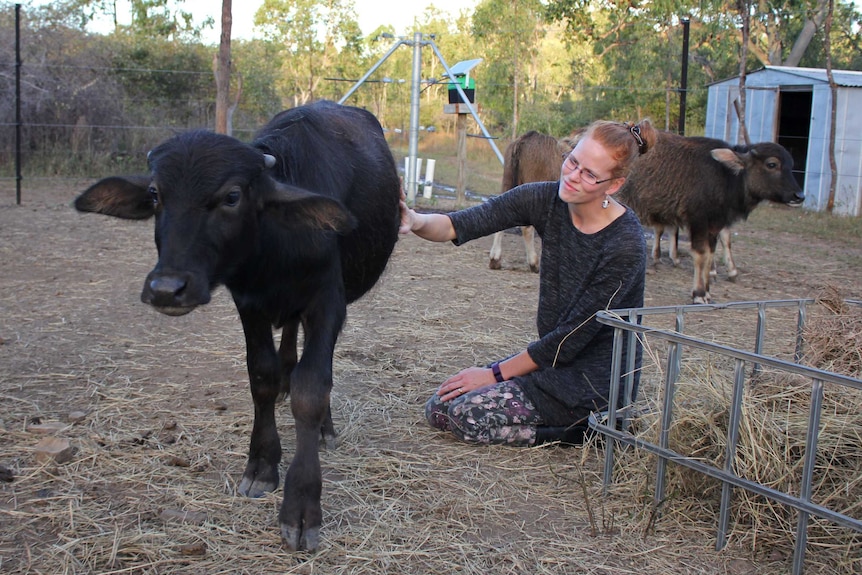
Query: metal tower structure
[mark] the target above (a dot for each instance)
(411, 178)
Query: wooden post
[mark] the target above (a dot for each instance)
(461, 195)
(461, 143)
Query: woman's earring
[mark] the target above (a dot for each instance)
(606, 202)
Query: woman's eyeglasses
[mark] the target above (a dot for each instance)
(571, 164)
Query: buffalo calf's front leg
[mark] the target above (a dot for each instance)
(264, 453)
(700, 289)
(702, 249)
(724, 237)
(300, 515)
(287, 353)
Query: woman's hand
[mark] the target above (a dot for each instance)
(465, 381)
(407, 216)
(432, 227)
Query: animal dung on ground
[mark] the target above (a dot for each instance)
(56, 449)
(193, 549)
(46, 428)
(76, 416)
(6, 474)
(181, 516)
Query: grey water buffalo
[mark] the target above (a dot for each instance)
(532, 157)
(706, 185)
(296, 225)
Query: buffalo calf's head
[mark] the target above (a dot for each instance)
(767, 172)
(209, 194)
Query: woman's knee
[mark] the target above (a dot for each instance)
(467, 428)
(437, 413)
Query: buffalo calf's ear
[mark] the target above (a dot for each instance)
(120, 197)
(729, 158)
(296, 207)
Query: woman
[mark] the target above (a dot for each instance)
(593, 258)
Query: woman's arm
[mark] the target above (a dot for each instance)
(433, 227)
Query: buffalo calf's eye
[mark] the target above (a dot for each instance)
(232, 198)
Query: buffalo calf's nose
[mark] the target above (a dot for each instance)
(167, 287)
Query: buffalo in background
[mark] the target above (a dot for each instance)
(296, 225)
(532, 157)
(706, 185)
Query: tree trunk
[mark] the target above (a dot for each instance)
(516, 75)
(222, 70)
(810, 27)
(833, 88)
(234, 106)
(745, 12)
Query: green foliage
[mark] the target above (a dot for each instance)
(147, 73)
(511, 34)
(258, 63)
(314, 40)
(846, 40)
(149, 18)
(549, 66)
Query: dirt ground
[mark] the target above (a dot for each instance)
(164, 415)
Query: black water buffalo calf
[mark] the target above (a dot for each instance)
(706, 185)
(296, 225)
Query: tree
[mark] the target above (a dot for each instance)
(812, 23)
(454, 45)
(258, 64)
(833, 89)
(744, 9)
(312, 37)
(511, 32)
(149, 18)
(222, 70)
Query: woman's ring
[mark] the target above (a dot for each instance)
(461, 390)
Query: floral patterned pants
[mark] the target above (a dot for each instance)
(497, 414)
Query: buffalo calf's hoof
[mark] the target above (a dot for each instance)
(295, 539)
(255, 485)
(701, 299)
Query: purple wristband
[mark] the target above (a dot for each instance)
(498, 375)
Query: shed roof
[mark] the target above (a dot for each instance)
(843, 78)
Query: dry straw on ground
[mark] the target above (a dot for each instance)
(151, 488)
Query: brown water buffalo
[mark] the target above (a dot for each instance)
(533, 157)
(706, 185)
(296, 225)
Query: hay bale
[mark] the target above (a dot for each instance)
(834, 339)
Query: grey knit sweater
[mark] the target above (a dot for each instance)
(580, 275)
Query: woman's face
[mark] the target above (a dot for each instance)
(586, 175)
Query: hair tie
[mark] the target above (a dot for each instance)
(636, 132)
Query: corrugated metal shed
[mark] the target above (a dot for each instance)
(792, 106)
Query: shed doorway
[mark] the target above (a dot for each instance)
(794, 128)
